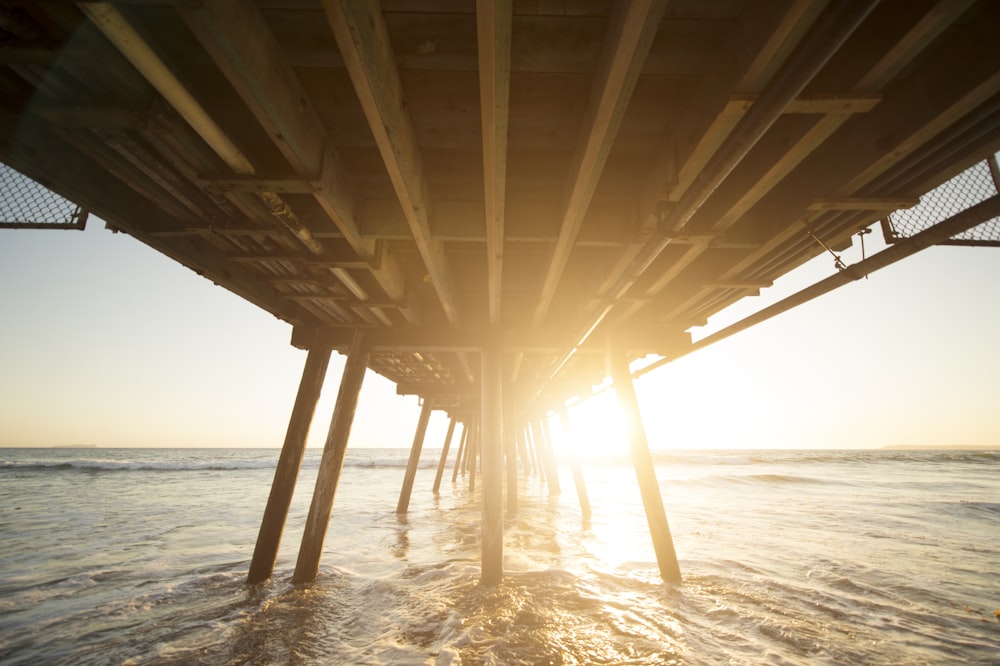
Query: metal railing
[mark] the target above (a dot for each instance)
(26, 204)
(974, 185)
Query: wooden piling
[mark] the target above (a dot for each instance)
(472, 452)
(444, 456)
(510, 450)
(522, 450)
(332, 462)
(581, 488)
(533, 454)
(645, 473)
(415, 449)
(549, 457)
(462, 446)
(286, 473)
(491, 446)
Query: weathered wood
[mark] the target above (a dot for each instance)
(581, 487)
(492, 439)
(332, 462)
(510, 449)
(462, 448)
(548, 456)
(444, 456)
(286, 473)
(411, 466)
(493, 22)
(645, 473)
(364, 42)
(632, 34)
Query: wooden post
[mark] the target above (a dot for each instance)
(472, 452)
(642, 460)
(332, 462)
(549, 456)
(491, 445)
(444, 456)
(581, 488)
(510, 450)
(462, 447)
(522, 449)
(285, 474)
(411, 466)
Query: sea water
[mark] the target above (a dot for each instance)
(135, 556)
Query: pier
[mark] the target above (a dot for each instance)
(498, 205)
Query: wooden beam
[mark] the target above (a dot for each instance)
(491, 439)
(411, 466)
(626, 47)
(242, 45)
(493, 25)
(332, 462)
(364, 42)
(287, 470)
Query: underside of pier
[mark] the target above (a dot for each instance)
(496, 205)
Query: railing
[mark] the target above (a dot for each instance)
(25, 204)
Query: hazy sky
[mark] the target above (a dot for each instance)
(103, 341)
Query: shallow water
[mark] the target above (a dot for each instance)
(789, 557)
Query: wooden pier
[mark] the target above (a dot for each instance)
(497, 204)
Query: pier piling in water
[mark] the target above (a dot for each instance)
(286, 473)
(491, 456)
(581, 487)
(414, 461)
(332, 462)
(460, 456)
(444, 455)
(645, 472)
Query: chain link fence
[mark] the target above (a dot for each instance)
(25, 204)
(972, 186)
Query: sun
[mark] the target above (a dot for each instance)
(597, 429)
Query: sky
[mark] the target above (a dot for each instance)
(105, 342)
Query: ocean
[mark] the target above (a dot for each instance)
(138, 556)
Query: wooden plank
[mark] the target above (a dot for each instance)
(493, 25)
(874, 204)
(365, 45)
(627, 46)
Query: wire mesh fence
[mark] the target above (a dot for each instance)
(972, 186)
(26, 204)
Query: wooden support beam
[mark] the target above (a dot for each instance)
(626, 46)
(645, 472)
(411, 466)
(444, 456)
(332, 462)
(287, 471)
(473, 452)
(581, 487)
(460, 456)
(491, 436)
(548, 456)
(493, 25)
(510, 449)
(239, 41)
(366, 47)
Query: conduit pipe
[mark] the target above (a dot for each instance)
(836, 26)
(131, 45)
